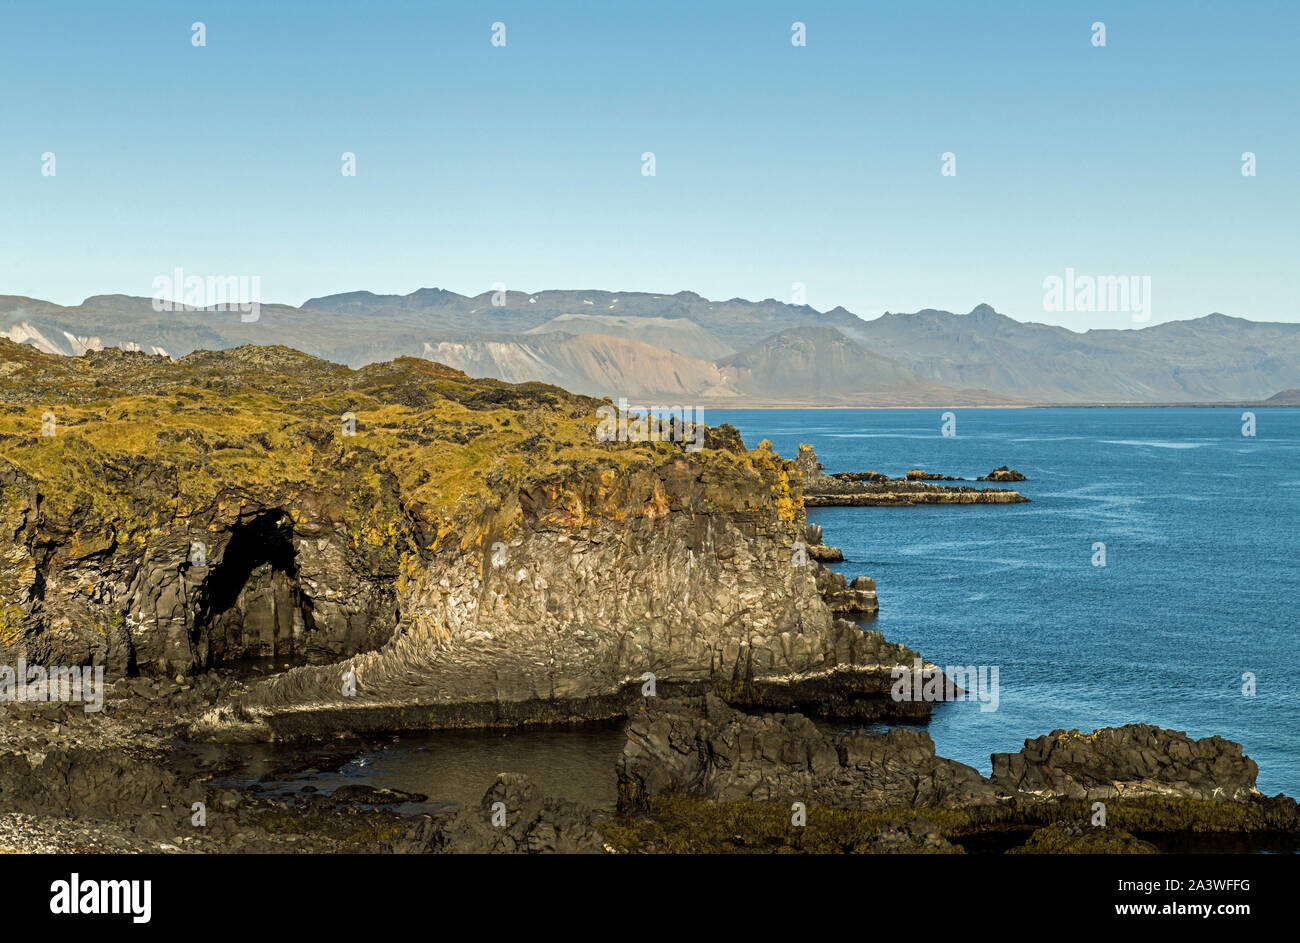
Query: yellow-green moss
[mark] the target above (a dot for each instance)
(267, 423)
(681, 824)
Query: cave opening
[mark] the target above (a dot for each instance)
(252, 605)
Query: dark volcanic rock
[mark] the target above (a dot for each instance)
(817, 549)
(90, 783)
(705, 748)
(858, 597)
(1129, 762)
(920, 474)
(372, 795)
(701, 747)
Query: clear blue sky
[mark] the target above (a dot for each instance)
(775, 164)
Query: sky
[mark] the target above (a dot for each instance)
(775, 164)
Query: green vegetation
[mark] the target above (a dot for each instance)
(141, 441)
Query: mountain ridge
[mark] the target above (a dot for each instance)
(735, 351)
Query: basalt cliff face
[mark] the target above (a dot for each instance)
(448, 551)
(672, 571)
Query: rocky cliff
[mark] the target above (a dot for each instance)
(449, 551)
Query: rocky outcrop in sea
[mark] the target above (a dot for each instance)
(873, 489)
(1132, 761)
(1003, 473)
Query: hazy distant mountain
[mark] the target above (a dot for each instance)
(595, 364)
(1285, 398)
(130, 322)
(737, 322)
(644, 344)
(822, 365)
(1214, 358)
(680, 335)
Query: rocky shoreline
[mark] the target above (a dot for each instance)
(696, 774)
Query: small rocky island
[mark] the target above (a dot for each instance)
(873, 489)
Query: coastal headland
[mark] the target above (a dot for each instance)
(426, 550)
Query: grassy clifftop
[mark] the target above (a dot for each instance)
(130, 429)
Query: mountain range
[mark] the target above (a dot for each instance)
(686, 348)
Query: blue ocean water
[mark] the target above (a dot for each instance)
(1201, 527)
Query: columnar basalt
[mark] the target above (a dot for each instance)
(671, 574)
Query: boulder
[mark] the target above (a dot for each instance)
(1133, 761)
